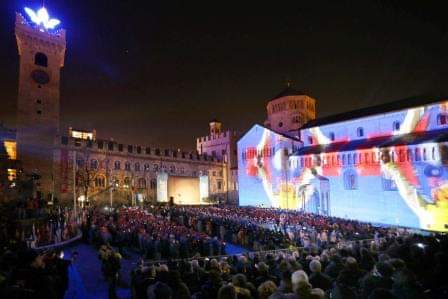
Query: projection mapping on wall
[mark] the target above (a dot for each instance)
(390, 169)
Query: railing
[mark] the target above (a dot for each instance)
(261, 253)
(63, 243)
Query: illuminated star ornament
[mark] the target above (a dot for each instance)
(41, 18)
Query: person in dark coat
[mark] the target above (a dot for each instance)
(317, 278)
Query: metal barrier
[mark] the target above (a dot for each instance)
(251, 253)
(63, 243)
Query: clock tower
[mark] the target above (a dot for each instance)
(42, 50)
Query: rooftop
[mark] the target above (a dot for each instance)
(289, 91)
(378, 109)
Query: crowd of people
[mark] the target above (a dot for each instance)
(290, 254)
(410, 266)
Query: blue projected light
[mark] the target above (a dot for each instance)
(42, 18)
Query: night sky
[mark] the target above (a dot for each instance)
(155, 72)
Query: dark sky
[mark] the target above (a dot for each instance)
(155, 72)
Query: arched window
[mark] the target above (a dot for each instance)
(100, 181)
(153, 184)
(409, 155)
(94, 164)
(360, 132)
(146, 167)
(142, 183)
(417, 154)
(41, 59)
(442, 119)
(117, 165)
(350, 180)
(396, 125)
(332, 136)
(127, 166)
(137, 166)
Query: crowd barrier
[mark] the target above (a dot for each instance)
(60, 244)
(260, 253)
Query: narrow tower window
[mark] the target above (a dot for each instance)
(41, 59)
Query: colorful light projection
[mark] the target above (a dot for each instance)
(262, 165)
(42, 18)
(384, 177)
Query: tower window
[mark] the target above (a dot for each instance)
(41, 59)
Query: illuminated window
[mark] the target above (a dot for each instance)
(127, 166)
(442, 119)
(82, 135)
(41, 59)
(350, 180)
(117, 165)
(331, 136)
(360, 132)
(396, 126)
(11, 149)
(93, 164)
(12, 174)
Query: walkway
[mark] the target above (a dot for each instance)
(86, 278)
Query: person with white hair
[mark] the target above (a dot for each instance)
(317, 278)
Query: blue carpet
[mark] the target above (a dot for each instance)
(86, 280)
(232, 249)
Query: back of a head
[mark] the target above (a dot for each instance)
(239, 280)
(299, 276)
(227, 292)
(266, 289)
(159, 290)
(315, 266)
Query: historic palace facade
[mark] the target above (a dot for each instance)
(78, 166)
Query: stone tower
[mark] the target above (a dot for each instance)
(42, 52)
(215, 127)
(290, 110)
